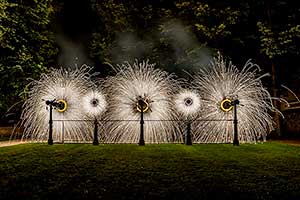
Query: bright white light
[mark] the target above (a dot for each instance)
(187, 103)
(156, 87)
(158, 90)
(94, 103)
(58, 84)
(221, 81)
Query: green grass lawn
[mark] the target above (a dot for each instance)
(164, 171)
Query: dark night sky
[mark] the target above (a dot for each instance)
(77, 21)
(73, 27)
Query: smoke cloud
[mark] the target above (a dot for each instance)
(181, 50)
(72, 54)
(189, 54)
(128, 46)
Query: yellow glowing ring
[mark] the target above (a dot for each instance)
(145, 107)
(224, 102)
(65, 105)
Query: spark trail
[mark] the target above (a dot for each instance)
(156, 88)
(187, 103)
(94, 103)
(219, 85)
(66, 87)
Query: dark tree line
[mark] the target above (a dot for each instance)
(178, 35)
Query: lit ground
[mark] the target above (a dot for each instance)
(165, 171)
(11, 143)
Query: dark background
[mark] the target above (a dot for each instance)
(177, 35)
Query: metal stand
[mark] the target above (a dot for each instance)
(56, 104)
(95, 141)
(235, 124)
(188, 137)
(50, 140)
(141, 141)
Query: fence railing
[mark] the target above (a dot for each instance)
(101, 130)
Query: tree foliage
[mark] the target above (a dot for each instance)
(175, 34)
(275, 44)
(279, 39)
(211, 23)
(26, 46)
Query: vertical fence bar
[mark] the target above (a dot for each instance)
(50, 139)
(141, 141)
(235, 124)
(63, 132)
(188, 137)
(95, 141)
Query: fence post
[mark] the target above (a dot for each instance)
(63, 132)
(235, 123)
(188, 137)
(95, 141)
(50, 140)
(141, 141)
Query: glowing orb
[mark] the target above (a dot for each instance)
(142, 104)
(62, 105)
(187, 102)
(226, 105)
(94, 103)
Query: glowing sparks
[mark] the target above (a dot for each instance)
(224, 81)
(187, 103)
(64, 86)
(155, 87)
(94, 103)
(140, 87)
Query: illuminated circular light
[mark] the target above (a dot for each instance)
(145, 107)
(226, 105)
(188, 101)
(94, 102)
(62, 105)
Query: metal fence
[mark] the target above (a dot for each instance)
(101, 131)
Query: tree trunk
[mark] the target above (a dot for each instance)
(277, 104)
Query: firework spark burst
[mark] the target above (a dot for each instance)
(187, 103)
(64, 86)
(156, 88)
(94, 103)
(219, 85)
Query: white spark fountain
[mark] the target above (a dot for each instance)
(66, 87)
(219, 85)
(94, 103)
(155, 87)
(187, 103)
(209, 100)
